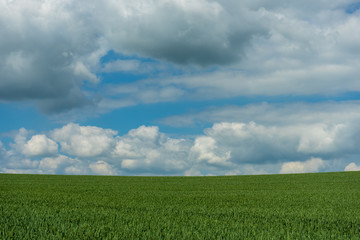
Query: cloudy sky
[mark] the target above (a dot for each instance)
(179, 87)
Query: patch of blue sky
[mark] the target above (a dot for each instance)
(127, 118)
(348, 96)
(120, 77)
(352, 8)
(111, 56)
(18, 115)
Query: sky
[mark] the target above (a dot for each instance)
(179, 87)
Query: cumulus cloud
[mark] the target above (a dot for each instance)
(19, 171)
(61, 165)
(37, 146)
(296, 131)
(247, 143)
(319, 138)
(146, 150)
(236, 143)
(352, 167)
(205, 149)
(40, 145)
(102, 168)
(311, 165)
(2, 151)
(94, 150)
(23, 164)
(84, 141)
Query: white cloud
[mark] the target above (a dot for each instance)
(93, 150)
(20, 139)
(37, 146)
(226, 148)
(249, 169)
(192, 172)
(206, 149)
(252, 143)
(352, 167)
(328, 129)
(59, 165)
(149, 135)
(125, 149)
(146, 150)
(102, 168)
(22, 163)
(235, 143)
(311, 165)
(20, 171)
(2, 151)
(84, 141)
(73, 170)
(320, 138)
(40, 145)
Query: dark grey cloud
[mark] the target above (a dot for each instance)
(49, 49)
(72, 99)
(45, 54)
(201, 32)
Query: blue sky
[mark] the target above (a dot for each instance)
(177, 87)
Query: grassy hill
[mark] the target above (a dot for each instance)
(294, 206)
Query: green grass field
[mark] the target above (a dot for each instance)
(298, 206)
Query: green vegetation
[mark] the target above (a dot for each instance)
(298, 206)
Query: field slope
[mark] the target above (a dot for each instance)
(297, 206)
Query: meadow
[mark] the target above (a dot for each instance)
(294, 206)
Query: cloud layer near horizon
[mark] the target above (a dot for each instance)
(50, 50)
(225, 148)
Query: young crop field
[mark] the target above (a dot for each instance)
(296, 206)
